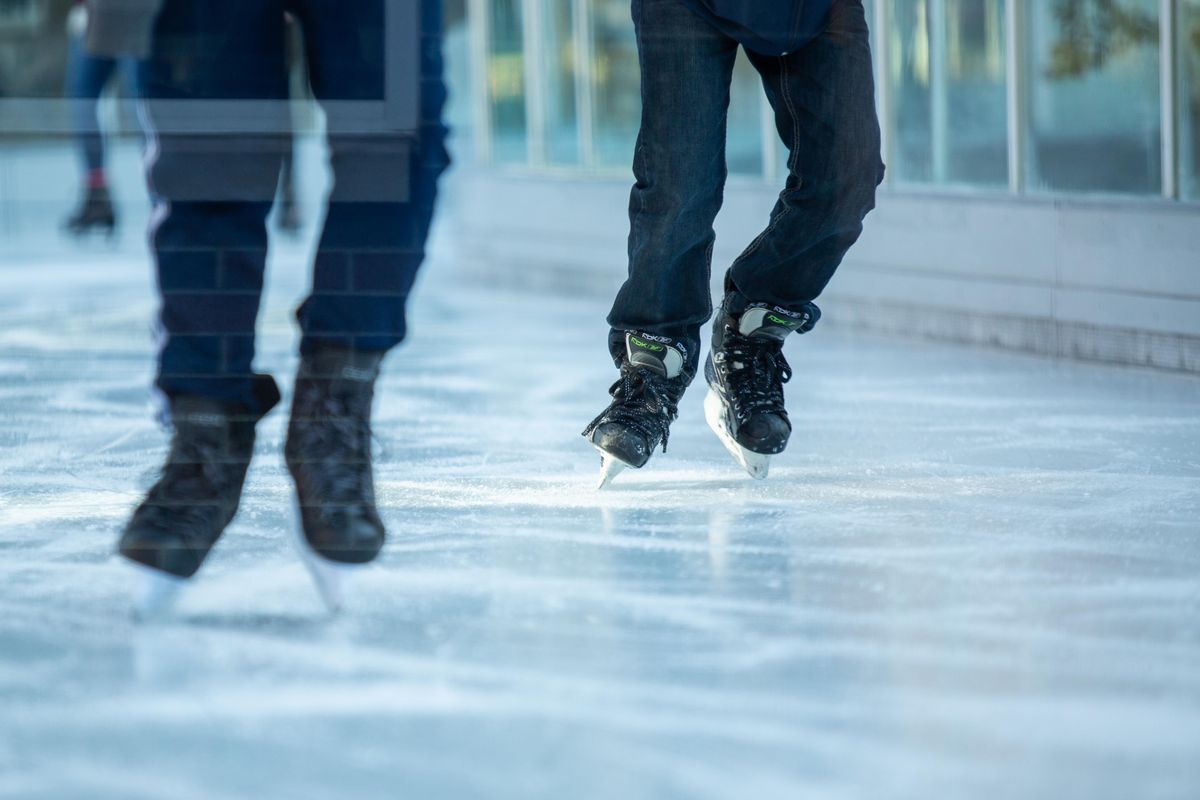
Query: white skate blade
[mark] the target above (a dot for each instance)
(331, 578)
(610, 467)
(157, 592)
(756, 464)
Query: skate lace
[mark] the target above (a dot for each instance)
(755, 371)
(338, 438)
(642, 400)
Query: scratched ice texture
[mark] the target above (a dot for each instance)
(972, 575)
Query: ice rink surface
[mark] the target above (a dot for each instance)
(973, 575)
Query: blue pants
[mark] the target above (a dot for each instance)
(214, 187)
(87, 77)
(823, 97)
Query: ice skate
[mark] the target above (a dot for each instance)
(172, 531)
(645, 403)
(95, 212)
(745, 372)
(328, 453)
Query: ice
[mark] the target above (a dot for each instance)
(972, 574)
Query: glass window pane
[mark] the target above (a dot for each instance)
(975, 130)
(562, 129)
(616, 87)
(506, 82)
(1094, 96)
(1189, 99)
(743, 149)
(947, 77)
(908, 76)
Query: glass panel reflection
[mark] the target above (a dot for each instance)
(616, 87)
(1095, 121)
(559, 74)
(506, 82)
(1189, 99)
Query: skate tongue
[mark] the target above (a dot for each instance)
(658, 353)
(771, 322)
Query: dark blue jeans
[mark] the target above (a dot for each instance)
(823, 96)
(214, 189)
(87, 78)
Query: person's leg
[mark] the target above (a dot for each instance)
(213, 181)
(824, 102)
(823, 97)
(385, 184)
(214, 162)
(373, 242)
(679, 168)
(87, 77)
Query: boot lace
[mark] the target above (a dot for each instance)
(644, 401)
(754, 370)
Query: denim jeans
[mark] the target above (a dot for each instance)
(87, 78)
(823, 97)
(213, 192)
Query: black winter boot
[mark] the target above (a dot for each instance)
(328, 453)
(196, 497)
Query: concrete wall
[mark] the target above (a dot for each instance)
(1106, 280)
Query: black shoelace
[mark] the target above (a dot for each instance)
(644, 401)
(754, 371)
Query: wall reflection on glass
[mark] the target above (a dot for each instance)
(1095, 122)
(1188, 40)
(948, 81)
(560, 71)
(616, 82)
(506, 82)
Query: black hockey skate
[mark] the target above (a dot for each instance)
(328, 453)
(746, 371)
(645, 403)
(184, 513)
(95, 212)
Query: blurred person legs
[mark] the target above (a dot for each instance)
(87, 78)
(214, 177)
(822, 95)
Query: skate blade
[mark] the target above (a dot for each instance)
(157, 592)
(610, 467)
(332, 578)
(756, 464)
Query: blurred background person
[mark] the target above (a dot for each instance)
(89, 75)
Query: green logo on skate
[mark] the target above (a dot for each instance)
(654, 348)
(787, 323)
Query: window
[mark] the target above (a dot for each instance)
(947, 78)
(616, 86)
(506, 82)
(559, 72)
(1094, 93)
(1188, 40)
